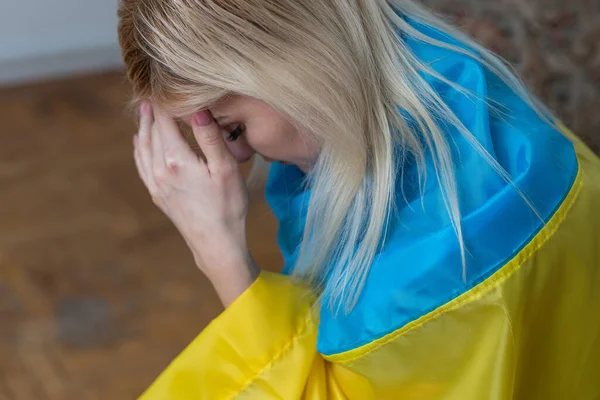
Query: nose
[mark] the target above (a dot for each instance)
(240, 149)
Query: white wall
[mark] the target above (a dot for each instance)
(44, 38)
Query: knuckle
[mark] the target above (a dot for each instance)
(156, 200)
(173, 160)
(146, 146)
(226, 170)
(230, 169)
(211, 138)
(173, 166)
(161, 175)
(155, 193)
(144, 137)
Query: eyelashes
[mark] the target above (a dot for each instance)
(233, 135)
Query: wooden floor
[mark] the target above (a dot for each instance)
(97, 290)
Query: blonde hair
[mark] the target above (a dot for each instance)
(337, 68)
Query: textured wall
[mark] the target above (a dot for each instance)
(555, 45)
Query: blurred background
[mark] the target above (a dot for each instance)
(97, 290)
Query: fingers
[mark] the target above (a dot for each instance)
(210, 139)
(175, 150)
(138, 162)
(146, 117)
(143, 147)
(159, 170)
(161, 151)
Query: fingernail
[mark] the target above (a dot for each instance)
(202, 118)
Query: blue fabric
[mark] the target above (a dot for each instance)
(420, 267)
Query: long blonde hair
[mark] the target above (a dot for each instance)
(338, 69)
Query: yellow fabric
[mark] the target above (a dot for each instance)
(257, 345)
(530, 331)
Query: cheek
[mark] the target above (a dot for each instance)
(274, 139)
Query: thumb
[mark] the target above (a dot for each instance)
(210, 139)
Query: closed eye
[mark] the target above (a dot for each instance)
(234, 134)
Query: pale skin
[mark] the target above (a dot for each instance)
(207, 200)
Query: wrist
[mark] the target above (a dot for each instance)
(231, 276)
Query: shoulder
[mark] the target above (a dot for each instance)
(420, 268)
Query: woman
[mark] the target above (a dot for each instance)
(438, 227)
